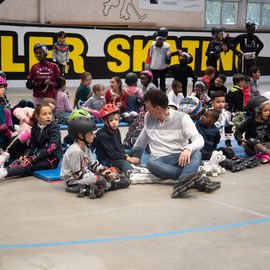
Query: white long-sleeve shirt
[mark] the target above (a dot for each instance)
(177, 133)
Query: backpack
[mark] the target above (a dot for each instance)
(134, 131)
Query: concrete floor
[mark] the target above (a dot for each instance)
(43, 227)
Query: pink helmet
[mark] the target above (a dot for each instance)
(148, 74)
(3, 82)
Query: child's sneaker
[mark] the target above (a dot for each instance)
(3, 173)
(3, 158)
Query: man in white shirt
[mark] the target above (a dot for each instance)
(174, 143)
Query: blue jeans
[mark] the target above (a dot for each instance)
(167, 166)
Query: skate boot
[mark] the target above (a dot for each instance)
(120, 182)
(206, 185)
(82, 191)
(3, 173)
(3, 158)
(252, 162)
(265, 159)
(186, 183)
(234, 165)
(95, 192)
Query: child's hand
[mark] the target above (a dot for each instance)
(133, 160)
(243, 143)
(47, 81)
(21, 159)
(27, 161)
(108, 175)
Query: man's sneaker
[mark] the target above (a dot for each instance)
(206, 185)
(3, 158)
(130, 172)
(121, 182)
(186, 183)
(143, 178)
(3, 173)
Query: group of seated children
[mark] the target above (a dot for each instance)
(38, 142)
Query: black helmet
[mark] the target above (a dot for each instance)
(255, 104)
(215, 31)
(163, 32)
(43, 47)
(131, 79)
(80, 125)
(250, 23)
(189, 57)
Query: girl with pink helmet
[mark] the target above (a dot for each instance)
(146, 80)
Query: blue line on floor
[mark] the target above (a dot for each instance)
(139, 236)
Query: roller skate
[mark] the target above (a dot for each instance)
(206, 185)
(186, 183)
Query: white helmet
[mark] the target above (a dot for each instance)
(190, 105)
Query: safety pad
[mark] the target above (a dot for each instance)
(99, 125)
(49, 175)
(238, 150)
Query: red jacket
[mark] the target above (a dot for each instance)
(115, 99)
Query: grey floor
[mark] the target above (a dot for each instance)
(43, 227)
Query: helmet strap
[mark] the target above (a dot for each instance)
(108, 125)
(87, 144)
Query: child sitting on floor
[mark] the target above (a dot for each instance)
(94, 103)
(246, 90)
(44, 151)
(146, 80)
(256, 129)
(83, 90)
(108, 142)
(224, 121)
(63, 108)
(200, 92)
(235, 96)
(79, 165)
(255, 74)
(176, 95)
(115, 95)
(206, 127)
(134, 94)
(218, 85)
(209, 76)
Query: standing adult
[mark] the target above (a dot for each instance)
(43, 76)
(174, 143)
(160, 57)
(250, 47)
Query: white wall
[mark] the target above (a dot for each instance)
(93, 11)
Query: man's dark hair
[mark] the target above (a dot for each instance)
(157, 98)
(218, 94)
(247, 78)
(61, 34)
(214, 114)
(238, 77)
(253, 70)
(222, 77)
